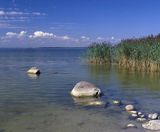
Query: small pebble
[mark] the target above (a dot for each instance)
(116, 102)
(131, 126)
(134, 115)
(133, 112)
(129, 107)
(141, 119)
(139, 113)
(142, 116)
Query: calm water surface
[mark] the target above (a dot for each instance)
(43, 103)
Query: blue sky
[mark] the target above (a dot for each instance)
(58, 23)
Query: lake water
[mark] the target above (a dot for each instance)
(43, 103)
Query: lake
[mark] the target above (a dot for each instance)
(43, 103)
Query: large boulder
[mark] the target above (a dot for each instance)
(85, 89)
(33, 70)
(152, 125)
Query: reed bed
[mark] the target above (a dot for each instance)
(99, 53)
(141, 54)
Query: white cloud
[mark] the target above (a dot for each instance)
(10, 35)
(19, 13)
(65, 37)
(99, 38)
(2, 13)
(41, 34)
(13, 15)
(49, 37)
(85, 38)
(22, 34)
(112, 37)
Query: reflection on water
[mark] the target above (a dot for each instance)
(125, 77)
(33, 76)
(88, 101)
(139, 88)
(147, 80)
(99, 71)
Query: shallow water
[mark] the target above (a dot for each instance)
(43, 103)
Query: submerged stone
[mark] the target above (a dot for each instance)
(85, 89)
(131, 126)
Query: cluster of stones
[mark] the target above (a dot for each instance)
(86, 89)
(150, 122)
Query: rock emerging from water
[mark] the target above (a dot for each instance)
(116, 102)
(129, 107)
(141, 119)
(153, 116)
(152, 125)
(131, 126)
(33, 70)
(85, 89)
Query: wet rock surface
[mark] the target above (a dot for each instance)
(152, 125)
(85, 89)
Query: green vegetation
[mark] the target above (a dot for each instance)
(100, 53)
(141, 54)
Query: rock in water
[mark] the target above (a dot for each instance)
(33, 70)
(152, 125)
(85, 89)
(116, 102)
(131, 126)
(153, 116)
(141, 119)
(129, 108)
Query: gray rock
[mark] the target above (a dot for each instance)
(134, 115)
(142, 116)
(85, 89)
(141, 119)
(33, 70)
(139, 113)
(117, 102)
(131, 126)
(153, 116)
(133, 112)
(152, 125)
(129, 107)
